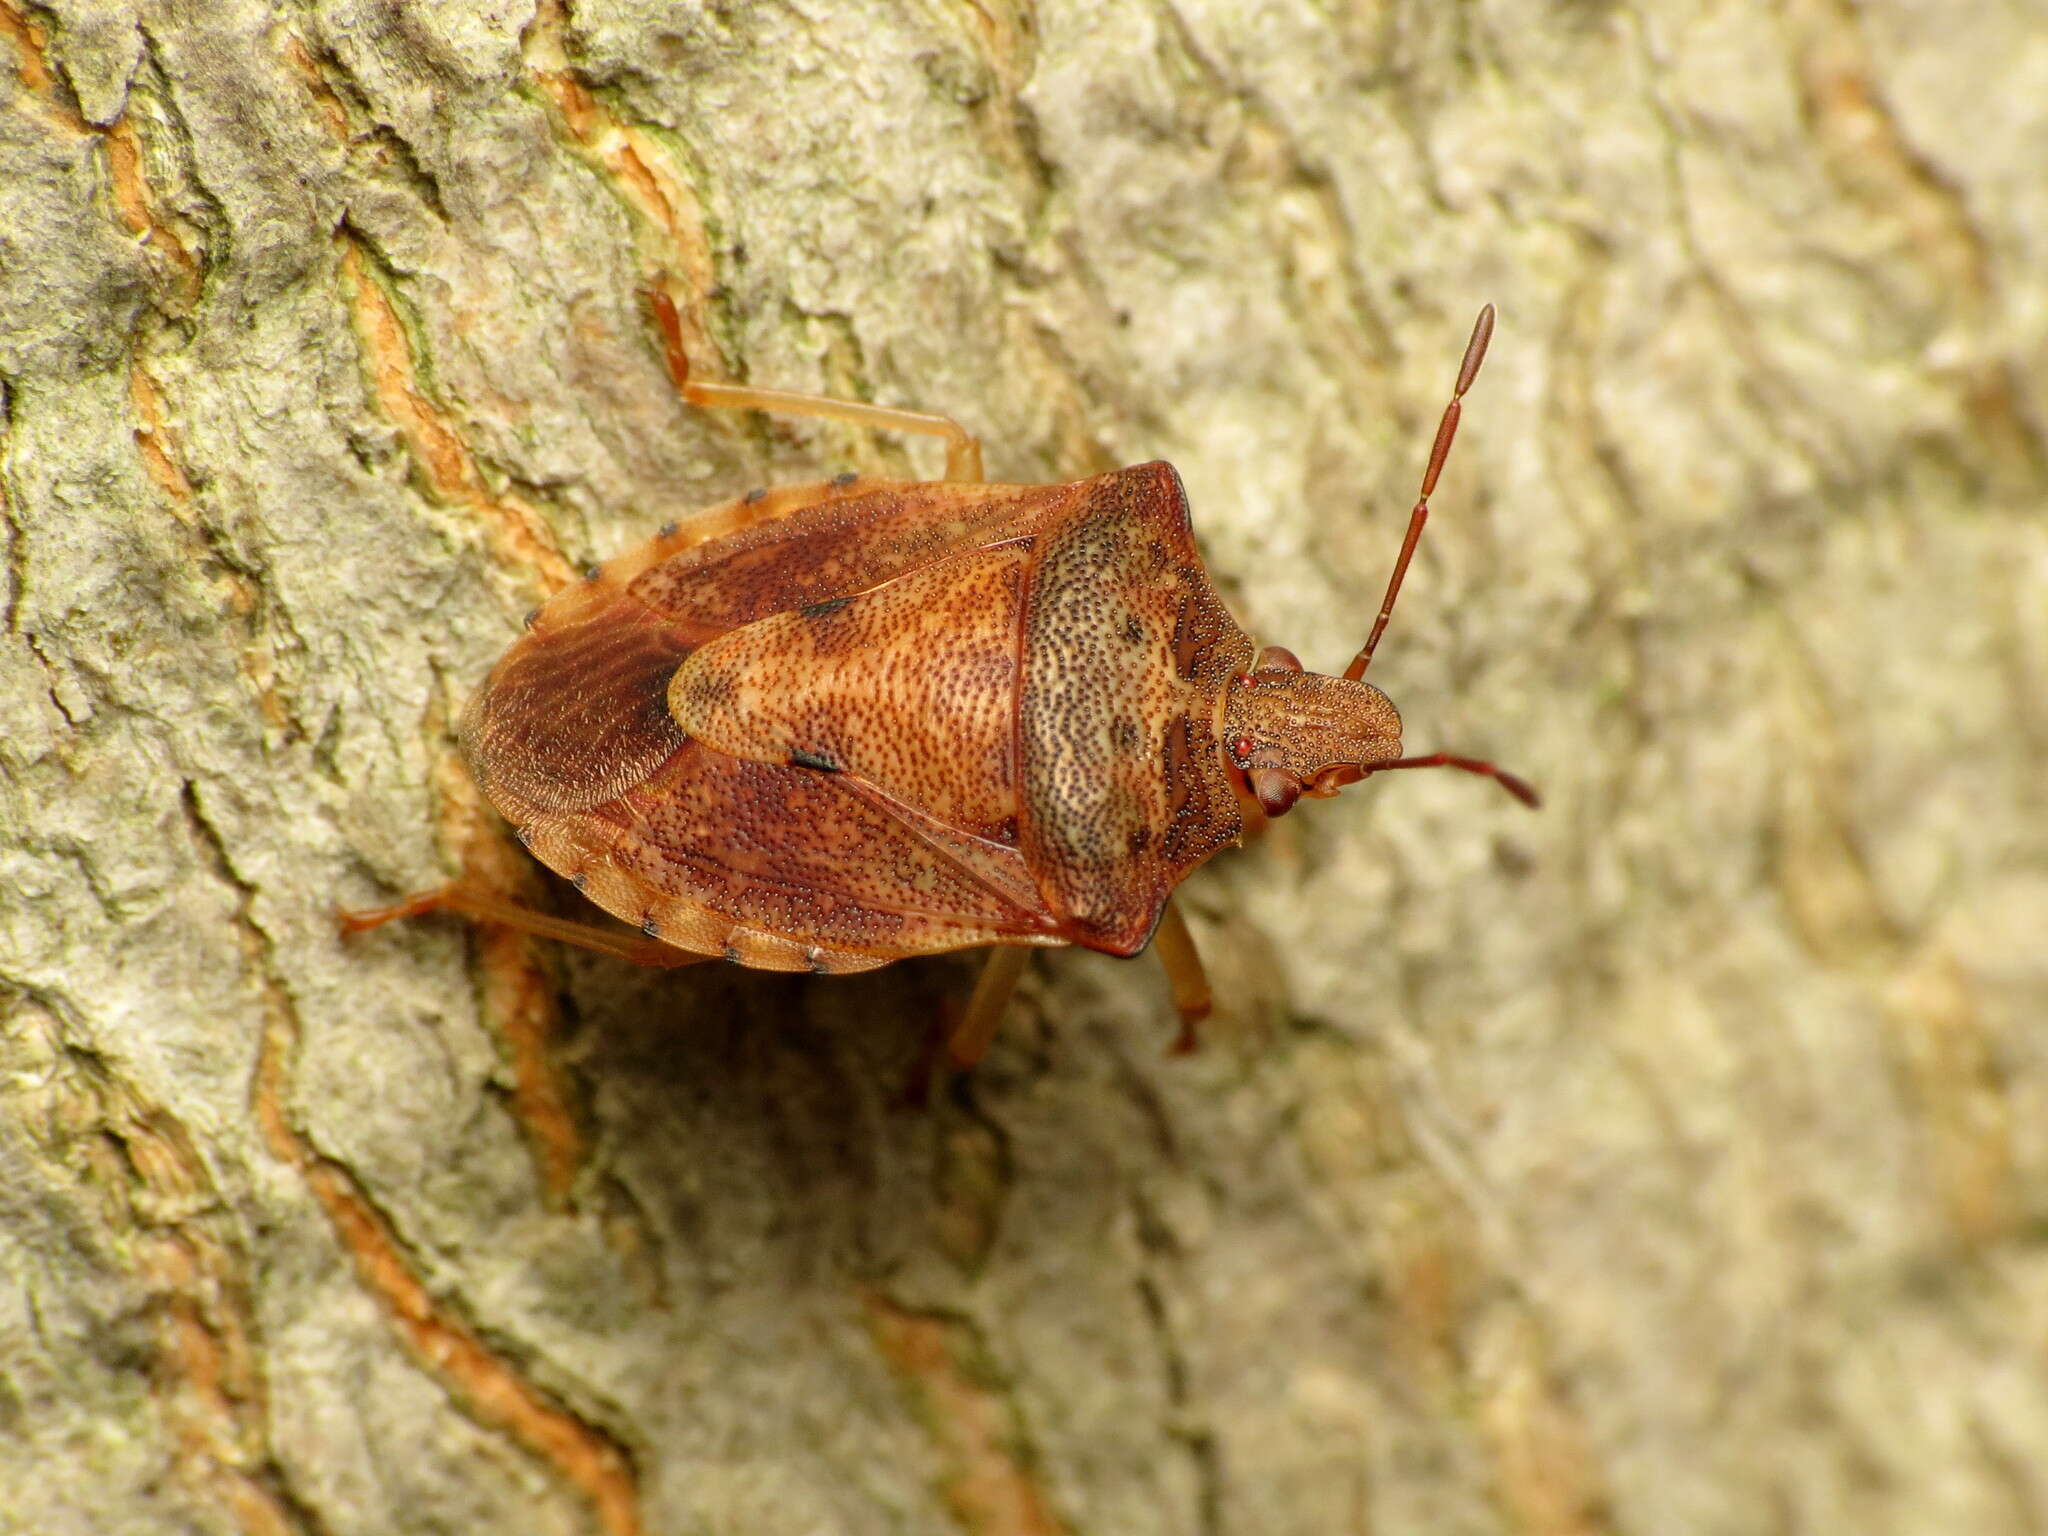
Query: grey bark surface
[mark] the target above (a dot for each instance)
(1673, 1160)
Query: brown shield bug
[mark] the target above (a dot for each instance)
(828, 726)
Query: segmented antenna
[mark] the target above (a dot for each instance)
(1513, 783)
(1446, 430)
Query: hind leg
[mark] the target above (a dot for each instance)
(485, 906)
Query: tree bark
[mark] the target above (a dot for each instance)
(1671, 1160)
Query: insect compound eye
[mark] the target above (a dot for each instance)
(1277, 790)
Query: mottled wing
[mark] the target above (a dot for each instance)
(575, 714)
(775, 865)
(779, 867)
(798, 545)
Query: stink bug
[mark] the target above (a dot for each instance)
(828, 726)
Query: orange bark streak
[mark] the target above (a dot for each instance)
(987, 1485)
(680, 264)
(332, 112)
(518, 996)
(522, 538)
(492, 1388)
(153, 441)
(137, 206)
(27, 37)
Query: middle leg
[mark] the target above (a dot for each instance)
(963, 448)
(976, 1031)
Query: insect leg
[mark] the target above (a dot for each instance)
(473, 901)
(974, 1033)
(963, 449)
(1184, 974)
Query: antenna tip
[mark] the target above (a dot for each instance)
(1521, 789)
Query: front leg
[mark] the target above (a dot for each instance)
(1184, 974)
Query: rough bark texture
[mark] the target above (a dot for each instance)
(1674, 1160)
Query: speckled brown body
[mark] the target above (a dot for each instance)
(834, 725)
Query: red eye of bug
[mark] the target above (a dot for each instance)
(1241, 749)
